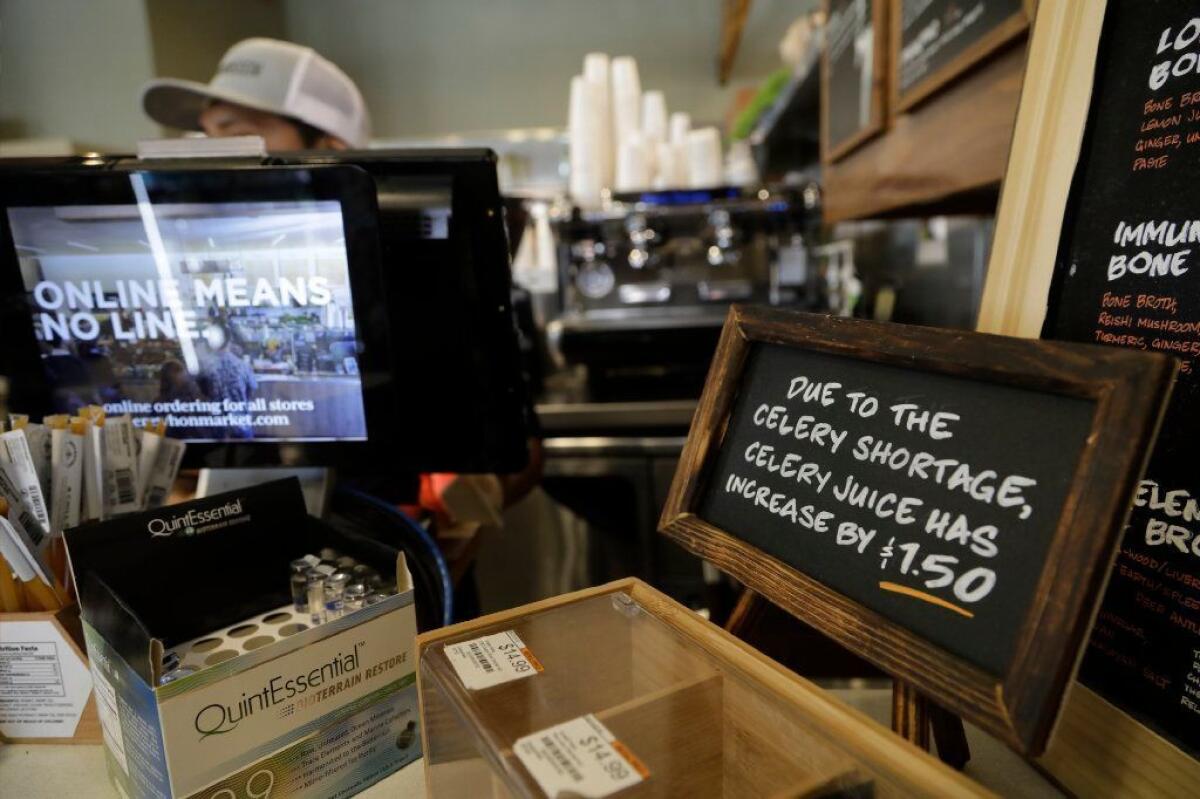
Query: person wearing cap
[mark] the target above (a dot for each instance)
(290, 95)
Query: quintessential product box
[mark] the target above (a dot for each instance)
(212, 682)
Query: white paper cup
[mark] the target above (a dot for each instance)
(654, 116)
(681, 123)
(626, 89)
(596, 67)
(633, 167)
(597, 70)
(666, 176)
(704, 158)
(680, 163)
(584, 129)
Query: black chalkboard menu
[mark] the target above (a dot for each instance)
(1128, 275)
(851, 91)
(891, 486)
(938, 39)
(919, 494)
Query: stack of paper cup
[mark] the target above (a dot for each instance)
(680, 125)
(596, 70)
(633, 166)
(704, 158)
(626, 89)
(680, 165)
(654, 116)
(624, 140)
(740, 169)
(664, 165)
(654, 127)
(586, 142)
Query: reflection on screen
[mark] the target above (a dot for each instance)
(229, 321)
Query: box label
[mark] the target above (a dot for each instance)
(492, 660)
(44, 684)
(338, 760)
(108, 708)
(580, 758)
(231, 720)
(129, 721)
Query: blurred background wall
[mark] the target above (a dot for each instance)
(73, 68)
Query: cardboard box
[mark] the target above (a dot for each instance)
(322, 711)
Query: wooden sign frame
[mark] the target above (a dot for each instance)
(1130, 392)
(996, 38)
(880, 63)
(1098, 749)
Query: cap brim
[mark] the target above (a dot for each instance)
(177, 103)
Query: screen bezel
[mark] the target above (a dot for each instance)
(351, 186)
(493, 434)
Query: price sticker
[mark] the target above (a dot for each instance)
(492, 660)
(579, 758)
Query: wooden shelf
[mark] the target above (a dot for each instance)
(945, 155)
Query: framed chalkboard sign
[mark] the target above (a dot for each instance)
(1094, 242)
(933, 41)
(853, 69)
(920, 494)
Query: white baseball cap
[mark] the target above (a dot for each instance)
(268, 75)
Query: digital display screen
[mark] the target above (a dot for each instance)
(230, 321)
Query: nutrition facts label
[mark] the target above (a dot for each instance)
(44, 683)
(30, 669)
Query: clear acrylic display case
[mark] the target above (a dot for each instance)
(707, 715)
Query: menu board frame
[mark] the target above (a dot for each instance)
(993, 40)
(1098, 748)
(1019, 706)
(830, 150)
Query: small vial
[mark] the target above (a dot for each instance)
(299, 583)
(170, 660)
(376, 582)
(329, 553)
(346, 563)
(375, 598)
(315, 589)
(176, 674)
(355, 598)
(362, 571)
(335, 594)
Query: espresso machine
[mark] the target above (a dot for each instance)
(645, 282)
